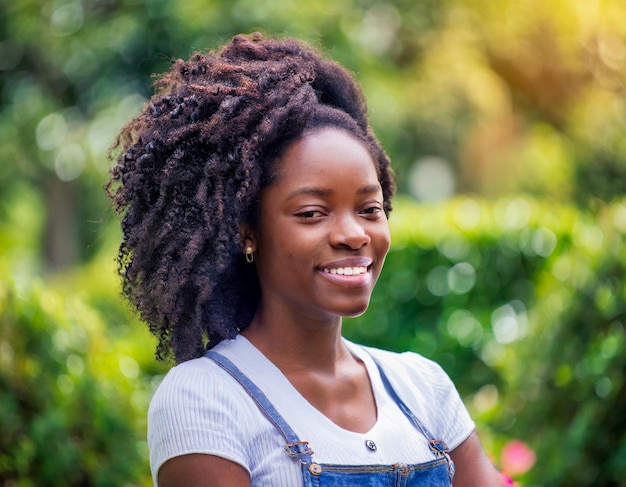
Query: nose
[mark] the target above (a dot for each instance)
(349, 231)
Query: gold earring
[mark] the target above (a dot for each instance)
(249, 255)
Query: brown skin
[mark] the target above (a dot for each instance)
(324, 211)
(202, 471)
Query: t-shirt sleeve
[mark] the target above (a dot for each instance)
(194, 410)
(446, 415)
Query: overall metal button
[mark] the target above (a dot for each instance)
(371, 445)
(315, 469)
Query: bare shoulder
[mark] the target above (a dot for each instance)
(473, 468)
(198, 470)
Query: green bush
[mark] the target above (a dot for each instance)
(566, 381)
(72, 404)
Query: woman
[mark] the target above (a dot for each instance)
(254, 199)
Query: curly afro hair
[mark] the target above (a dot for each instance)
(190, 169)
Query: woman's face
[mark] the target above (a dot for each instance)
(323, 235)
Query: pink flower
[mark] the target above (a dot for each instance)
(517, 458)
(508, 480)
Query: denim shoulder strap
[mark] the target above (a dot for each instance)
(394, 395)
(294, 446)
(437, 446)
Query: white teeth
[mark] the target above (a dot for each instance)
(346, 271)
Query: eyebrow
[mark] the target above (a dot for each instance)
(311, 190)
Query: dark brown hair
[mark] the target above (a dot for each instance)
(190, 170)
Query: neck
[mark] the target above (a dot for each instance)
(297, 343)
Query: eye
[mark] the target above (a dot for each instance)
(310, 214)
(372, 211)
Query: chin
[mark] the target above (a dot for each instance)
(355, 311)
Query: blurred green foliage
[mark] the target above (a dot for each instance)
(516, 286)
(75, 382)
(60, 417)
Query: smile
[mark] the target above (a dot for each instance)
(346, 271)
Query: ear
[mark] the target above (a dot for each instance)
(247, 236)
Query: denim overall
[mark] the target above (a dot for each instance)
(436, 473)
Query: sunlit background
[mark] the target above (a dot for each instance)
(505, 121)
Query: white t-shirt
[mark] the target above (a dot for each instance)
(200, 408)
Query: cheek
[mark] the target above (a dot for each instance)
(382, 239)
(282, 246)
